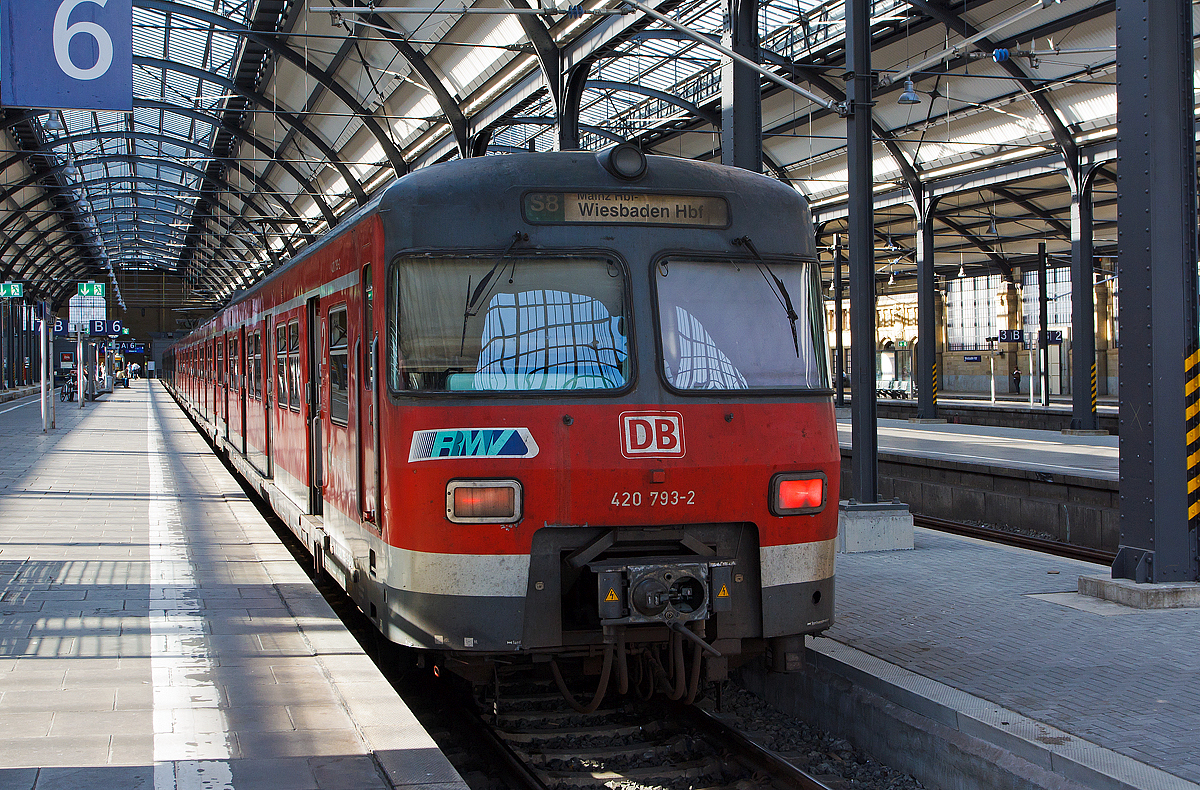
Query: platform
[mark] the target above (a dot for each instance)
(987, 650)
(155, 633)
(1047, 452)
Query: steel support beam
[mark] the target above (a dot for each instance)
(1160, 366)
(927, 372)
(1043, 347)
(864, 477)
(568, 116)
(1083, 307)
(741, 89)
(838, 311)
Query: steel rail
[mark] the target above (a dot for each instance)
(748, 752)
(1098, 556)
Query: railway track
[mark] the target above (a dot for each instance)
(630, 745)
(1043, 545)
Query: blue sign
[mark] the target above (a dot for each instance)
(60, 326)
(472, 443)
(972, 358)
(1012, 336)
(1053, 337)
(71, 54)
(98, 327)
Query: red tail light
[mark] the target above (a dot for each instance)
(802, 492)
(483, 501)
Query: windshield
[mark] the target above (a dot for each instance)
(729, 325)
(503, 324)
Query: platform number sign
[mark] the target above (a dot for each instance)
(1012, 336)
(91, 289)
(71, 54)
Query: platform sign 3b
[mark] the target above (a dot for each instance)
(75, 54)
(91, 289)
(12, 290)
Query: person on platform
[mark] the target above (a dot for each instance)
(1016, 379)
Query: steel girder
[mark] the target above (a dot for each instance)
(296, 59)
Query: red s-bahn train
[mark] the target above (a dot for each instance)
(548, 406)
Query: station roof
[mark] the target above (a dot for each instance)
(260, 124)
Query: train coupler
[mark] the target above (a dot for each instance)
(667, 590)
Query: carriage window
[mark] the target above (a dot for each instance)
(293, 365)
(233, 367)
(507, 325)
(281, 347)
(339, 357)
(256, 369)
(729, 325)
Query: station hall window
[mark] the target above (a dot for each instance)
(339, 385)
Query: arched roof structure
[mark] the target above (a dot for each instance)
(258, 124)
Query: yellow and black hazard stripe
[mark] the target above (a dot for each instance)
(1191, 396)
(1094, 398)
(933, 390)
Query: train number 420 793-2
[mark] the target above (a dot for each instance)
(654, 498)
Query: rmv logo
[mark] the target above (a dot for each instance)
(652, 434)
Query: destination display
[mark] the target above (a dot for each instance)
(626, 208)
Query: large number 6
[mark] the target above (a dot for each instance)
(63, 33)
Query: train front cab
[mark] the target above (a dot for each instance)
(587, 443)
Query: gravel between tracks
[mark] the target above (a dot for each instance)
(832, 760)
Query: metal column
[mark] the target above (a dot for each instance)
(1043, 328)
(741, 89)
(927, 373)
(1160, 364)
(864, 469)
(1083, 308)
(838, 287)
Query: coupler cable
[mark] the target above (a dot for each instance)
(601, 689)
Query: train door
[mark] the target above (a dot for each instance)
(243, 381)
(219, 387)
(256, 417)
(340, 445)
(267, 386)
(368, 405)
(231, 388)
(210, 362)
(312, 394)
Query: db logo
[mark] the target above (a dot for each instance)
(652, 434)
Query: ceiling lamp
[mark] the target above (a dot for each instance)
(909, 96)
(53, 124)
(992, 229)
(961, 271)
(892, 277)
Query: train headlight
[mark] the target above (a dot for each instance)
(624, 160)
(795, 493)
(483, 501)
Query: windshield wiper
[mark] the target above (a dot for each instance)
(473, 298)
(779, 289)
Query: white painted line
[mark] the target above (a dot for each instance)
(20, 405)
(191, 736)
